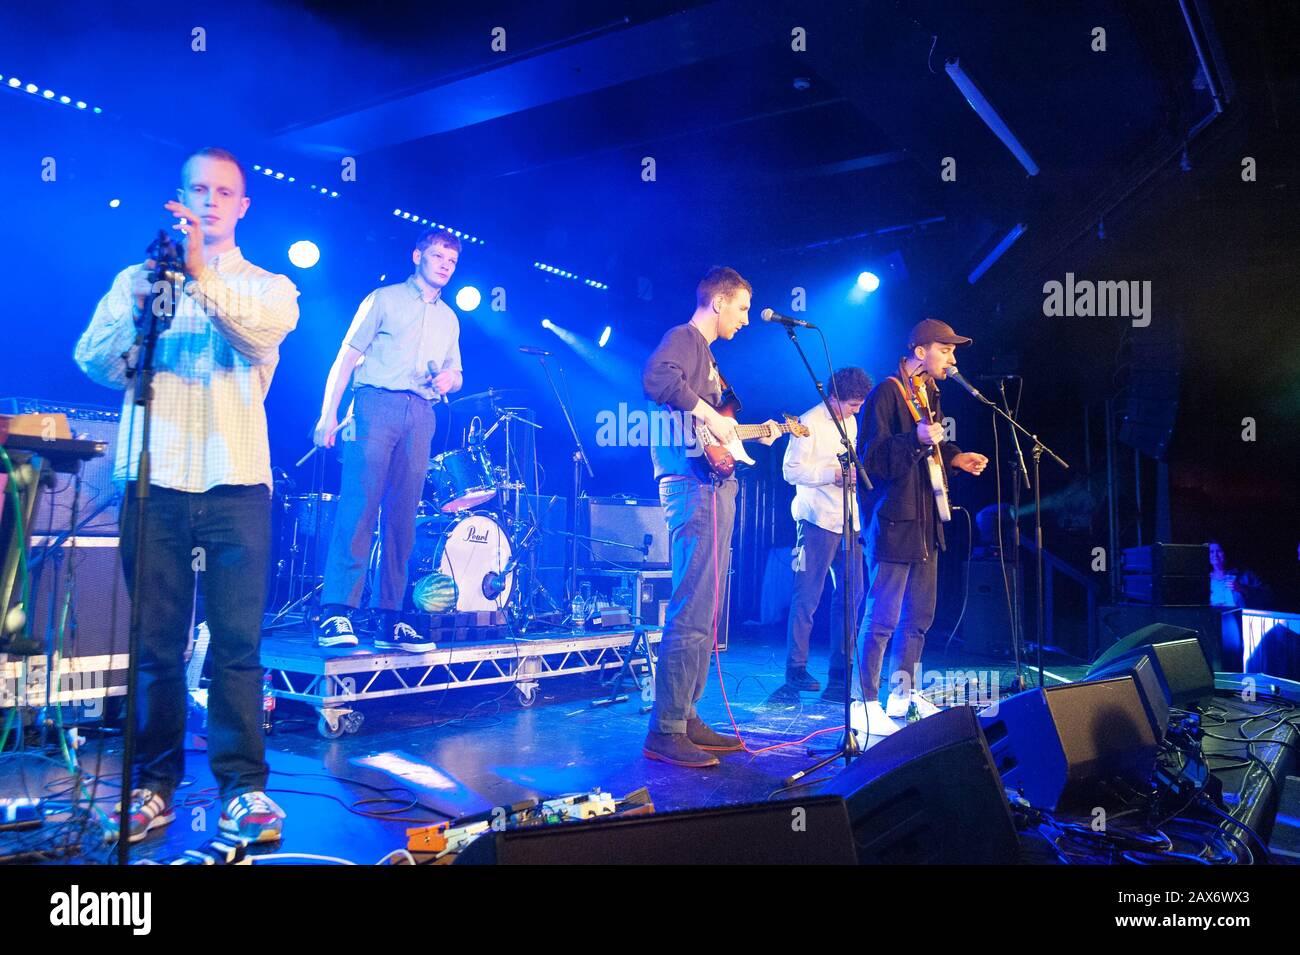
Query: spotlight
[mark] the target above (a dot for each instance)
(114, 203)
(304, 254)
(468, 298)
(868, 281)
(546, 323)
(604, 337)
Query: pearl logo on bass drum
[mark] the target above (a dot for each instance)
(477, 535)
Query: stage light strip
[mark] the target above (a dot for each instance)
(1016, 232)
(281, 176)
(564, 273)
(14, 83)
(987, 112)
(414, 217)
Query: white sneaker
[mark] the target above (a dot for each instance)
(870, 720)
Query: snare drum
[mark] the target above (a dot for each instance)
(459, 480)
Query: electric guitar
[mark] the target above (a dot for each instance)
(721, 457)
(938, 476)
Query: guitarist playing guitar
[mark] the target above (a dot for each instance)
(699, 500)
(902, 445)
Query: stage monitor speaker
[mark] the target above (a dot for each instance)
(1116, 624)
(1154, 633)
(1180, 665)
(98, 492)
(635, 522)
(929, 793)
(1144, 668)
(807, 831)
(1062, 745)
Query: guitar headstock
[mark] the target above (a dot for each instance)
(797, 427)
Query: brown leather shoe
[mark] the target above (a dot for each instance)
(675, 748)
(703, 736)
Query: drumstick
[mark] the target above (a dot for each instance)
(314, 448)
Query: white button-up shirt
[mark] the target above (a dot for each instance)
(811, 464)
(214, 366)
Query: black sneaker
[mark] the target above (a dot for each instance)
(404, 637)
(335, 631)
(801, 679)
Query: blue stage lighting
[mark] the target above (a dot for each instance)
(546, 323)
(114, 203)
(468, 298)
(604, 337)
(304, 254)
(868, 281)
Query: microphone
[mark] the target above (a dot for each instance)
(433, 373)
(955, 375)
(770, 316)
(997, 377)
(533, 350)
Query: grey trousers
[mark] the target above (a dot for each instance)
(900, 603)
(700, 517)
(822, 551)
(384, 470)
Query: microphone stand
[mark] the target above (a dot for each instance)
(1021, 474)
(580, 461)
(1037, 451)
(159, 310)
(850, 465)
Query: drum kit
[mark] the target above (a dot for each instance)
(470, 525)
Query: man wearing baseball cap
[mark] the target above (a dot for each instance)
(902, 429)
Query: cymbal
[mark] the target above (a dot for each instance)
(490, 397)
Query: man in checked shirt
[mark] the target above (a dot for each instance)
(209, 508)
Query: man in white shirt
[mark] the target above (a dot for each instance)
(404, 345)
(812, 465)
(209, 504)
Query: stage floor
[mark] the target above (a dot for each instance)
(466, 751)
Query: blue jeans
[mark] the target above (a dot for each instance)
(225, 535)
(822, 551)
(700, 517)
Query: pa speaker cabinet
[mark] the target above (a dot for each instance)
(929, 793)
(986, 626)
(1062, 745)
(100, 497)
(805, 831)
(635, 526)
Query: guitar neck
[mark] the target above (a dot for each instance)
(747, 432)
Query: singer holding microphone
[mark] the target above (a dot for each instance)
(902, 430)
(402, 353)
(209, 494)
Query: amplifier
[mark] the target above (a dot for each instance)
(637, 522)
(1168, 590)
(54, 513)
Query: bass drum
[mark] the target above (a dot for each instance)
(474, 551)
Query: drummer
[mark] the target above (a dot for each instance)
(404, 346)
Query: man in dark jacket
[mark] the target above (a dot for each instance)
(906, 533)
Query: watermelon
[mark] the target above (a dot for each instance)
(435, 593)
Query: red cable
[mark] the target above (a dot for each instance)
(717, 603)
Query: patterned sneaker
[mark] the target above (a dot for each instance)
(335, 631)
(404, 637)
(149, 810)
(252, 817)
